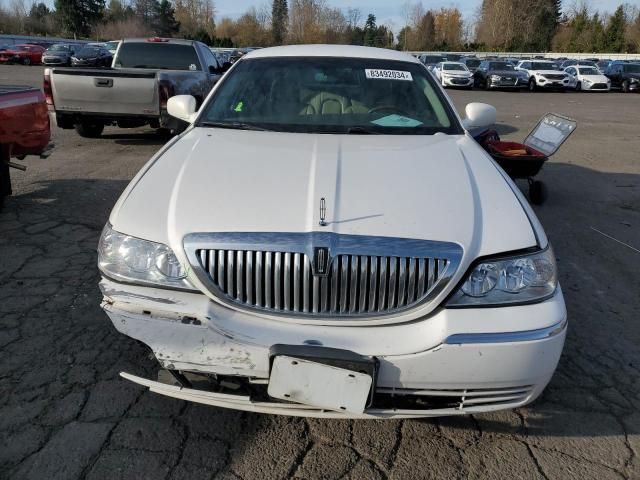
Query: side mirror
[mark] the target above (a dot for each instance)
(182, 107)
(479, 115)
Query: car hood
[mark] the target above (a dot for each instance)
(456, 73)
(595, 78)
(440, 188)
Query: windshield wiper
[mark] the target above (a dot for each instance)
(234, 126)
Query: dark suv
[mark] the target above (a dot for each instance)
(625, 76)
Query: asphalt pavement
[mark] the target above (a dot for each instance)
(66, 414)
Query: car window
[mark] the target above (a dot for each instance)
(588, 71)
(500, 66)
(331, 95)
(454, 66)
(541, 66)
(209, 58)
(472, 63)
(633, 68)
(158, 56)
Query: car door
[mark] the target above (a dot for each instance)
(615, 74)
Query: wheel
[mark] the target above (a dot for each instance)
(625, 86)
(578, 86)
(26, 61)
(532, 85)
(487, 84)
(537, 192)
(89, 130)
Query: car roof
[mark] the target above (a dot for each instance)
(340, 51)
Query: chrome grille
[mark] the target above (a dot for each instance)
(356, 284)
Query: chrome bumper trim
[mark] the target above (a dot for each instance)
(507, 337)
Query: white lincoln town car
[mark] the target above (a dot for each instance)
(327, 239)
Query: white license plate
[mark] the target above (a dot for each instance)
(319, 385)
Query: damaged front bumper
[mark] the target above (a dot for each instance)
(451, 362)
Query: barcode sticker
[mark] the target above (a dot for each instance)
(388, 74)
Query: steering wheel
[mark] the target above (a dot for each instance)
(389, 108)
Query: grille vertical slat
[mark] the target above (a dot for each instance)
(287, 281)
(240, 275)
(382, 302)
(259, 279)
(344, 283)
(268, 279)
(373, 284)
(402, 282)
(277, 281)
(355, 285)
(411, 292)
(364, 268)
(297, 279)
(306, 285)
(393, 271)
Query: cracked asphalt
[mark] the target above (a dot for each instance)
(65, 413)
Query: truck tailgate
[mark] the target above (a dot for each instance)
(105, 91)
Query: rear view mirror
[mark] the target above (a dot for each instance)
(182, 107)
(479, 115)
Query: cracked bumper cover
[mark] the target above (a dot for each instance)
(449, 349)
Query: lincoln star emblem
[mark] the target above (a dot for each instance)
(321, 261)
(323, 212)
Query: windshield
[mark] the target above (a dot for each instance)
(542, 66)
(112, 45)
(330, 95)
(589, 71)
(89, 51)
(472, 63)
(633, 68)
(500, 66)
(58, 48)
(158, 56)
(454, 66)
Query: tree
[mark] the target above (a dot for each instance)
(79, 16)
(370, 31)
(164, 23)
(279, 21)
(614, 34)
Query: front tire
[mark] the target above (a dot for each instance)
(26, 61)
(578, 86)
(89, 130)
(625, 86)
(532, 85)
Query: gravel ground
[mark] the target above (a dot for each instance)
(65, 413)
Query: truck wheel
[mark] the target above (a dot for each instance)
(625, 86)
(532, 85)
(89, 130)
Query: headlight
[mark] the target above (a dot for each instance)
(75, 59)
(133, 260)
(504, 281)
(496, 78)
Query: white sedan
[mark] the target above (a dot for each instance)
(587, 78)
(327, 239)
(453, 74)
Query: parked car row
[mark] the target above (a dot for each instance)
(99, 54)
(535, 75)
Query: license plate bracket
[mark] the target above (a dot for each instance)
(334, 357)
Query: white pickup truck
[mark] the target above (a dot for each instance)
(327, 239)
(134, 92)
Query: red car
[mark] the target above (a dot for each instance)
(25, 54)
(24, 129)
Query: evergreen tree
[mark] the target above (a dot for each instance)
(614, 34)
(370, 31)
(279, 21)
(79, 16)
(164, 21)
